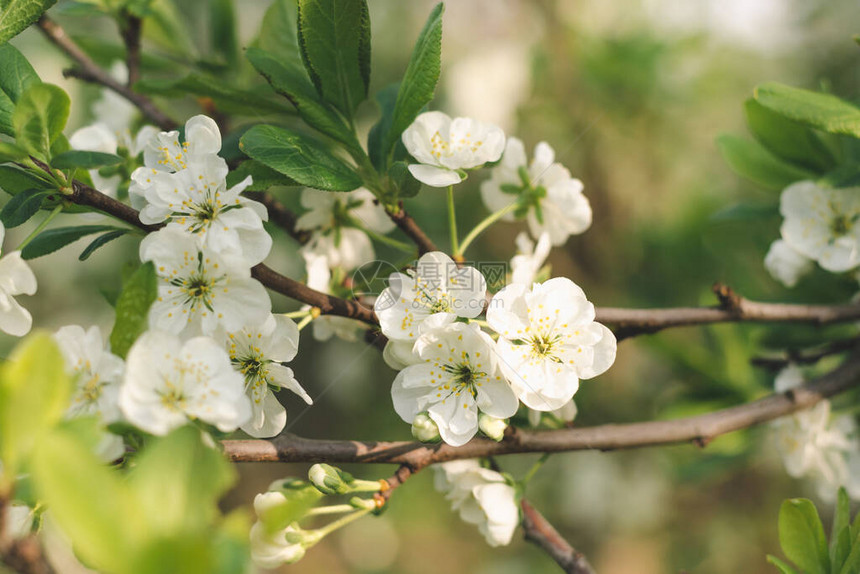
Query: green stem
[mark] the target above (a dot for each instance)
(452, 222)
(535, 467)
(41, 226)
(483, 225)
(304, 322)
(341, 522)
(385, 240)
(297, 314)
(333, 509)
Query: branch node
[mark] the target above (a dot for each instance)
(729, 300)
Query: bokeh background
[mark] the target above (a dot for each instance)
(631, 94)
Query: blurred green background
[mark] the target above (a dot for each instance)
(631, 94)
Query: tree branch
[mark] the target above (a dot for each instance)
(89, 71)
(540, 532)
(699, 430)
(408, 225)
(732, 308)
(131, 29)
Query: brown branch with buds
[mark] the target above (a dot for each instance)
(89, 71)
(540, 532)
(698, 430)
(408, 226)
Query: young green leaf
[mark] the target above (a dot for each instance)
(39, 118)
(88, 500)
(821, 111)
(781, 566)
(801, 536)
(14, 181)
(419, 82)
(263, 177)
(101, 241)
(34, 394)
(222, 30)
(11, 152)
(377, 148)
(16, 75)
(334, 38)
(852, 563)
(788, 140)
(840, 548)
(22, 207)
(291, 83)
(751, 161)
(16, 15)
(299, 157)
(57, 238)
(278, 34)
(132, 308)
(80, 159)
(179, 479)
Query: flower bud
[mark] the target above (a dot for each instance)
(330, 480)
(424, 429)
(492, 427)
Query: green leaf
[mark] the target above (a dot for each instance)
(852, 563)
(419, 82)
(79, 159)
(299, 157)
(16, 15)
(334, 38)
(132, 308)
(21, 207)
(821, 111)
(840, 548)
(787, 139)
(278, 34)
(229, 99)
(88, 500)
(782, 566)
(178, 481)
(263, 176)
(54, 239)
(407, 186)
(801, 536)
(16, 75)
(39, 118)
(34, 395)
(751, 161)
(841, 516)
(100, 241)
(222, 30)
(11, 152)
(14, 181)
(291, 83)
(377, 148)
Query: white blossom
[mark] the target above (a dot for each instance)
(785, 264)
(529, 259)
(444, 147)
(336, 222)
(16, 278)
(258, 353)
(821, 224)
(197, 201)
(327, 326)
(457, 378)
(481, 496)
(549, 197)
(811, 443)
(271, 550)
(100, 137)
(565, 413)
(548, 341)
(200, 290)
(168, 383)
(436, 286)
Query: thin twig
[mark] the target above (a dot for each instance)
(89, 71)
(408, 225)
(540, 532)
(805, 357)
(698, 430)
(130, 30)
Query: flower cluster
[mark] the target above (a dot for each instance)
(819, 226)
(452, 372)
(817, 445)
